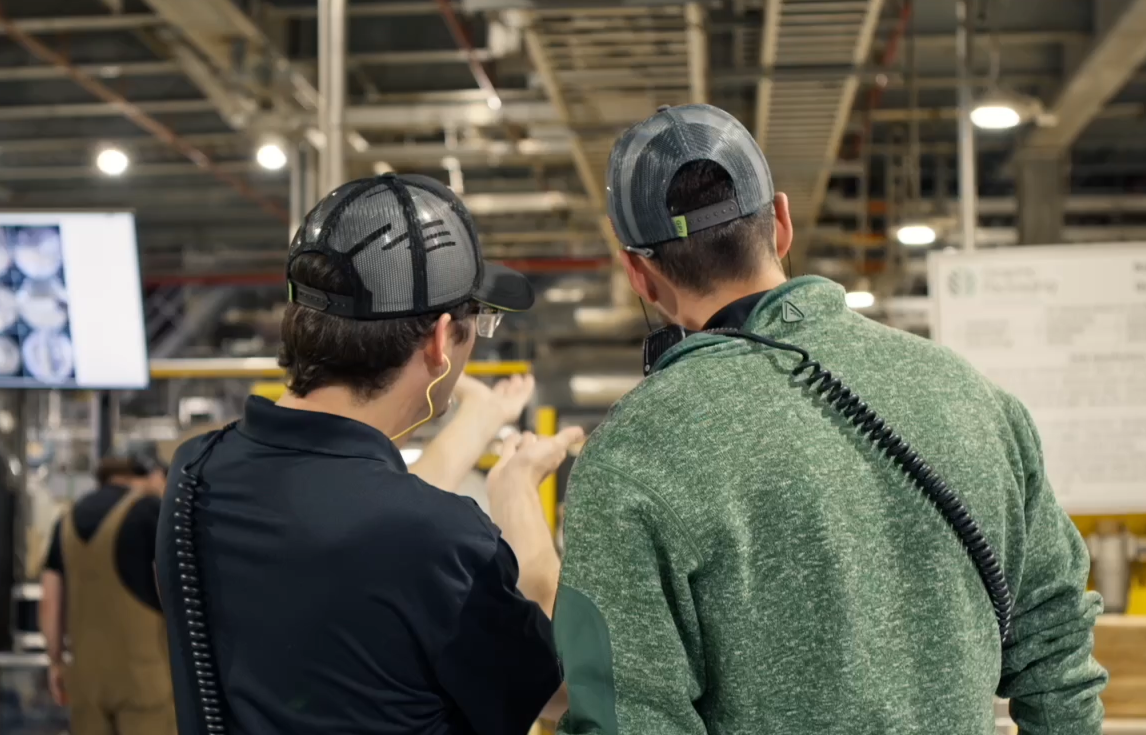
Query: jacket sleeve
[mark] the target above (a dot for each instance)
(1049, 674)
(626, 628)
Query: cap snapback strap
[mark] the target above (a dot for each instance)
(705, 217)
(324, 301)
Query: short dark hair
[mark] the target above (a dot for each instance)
(320, 350)
(728, 252)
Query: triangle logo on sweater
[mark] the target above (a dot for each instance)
(791, 313)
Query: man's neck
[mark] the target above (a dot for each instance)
(389, 413)
(698, 311)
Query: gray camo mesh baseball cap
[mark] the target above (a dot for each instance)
(409, 246)
(647, 157)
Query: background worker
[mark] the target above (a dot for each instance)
(739, 559)
(99, 595)
(397, 607)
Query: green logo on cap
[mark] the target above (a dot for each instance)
(681, 225)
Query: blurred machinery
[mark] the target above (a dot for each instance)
(1118, 557)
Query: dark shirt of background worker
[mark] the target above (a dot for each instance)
(99, 593)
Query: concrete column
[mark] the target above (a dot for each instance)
(1041, 184)
(298, 205)
(968, 181)
(332, 93)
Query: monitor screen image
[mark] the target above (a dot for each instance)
(71, 304)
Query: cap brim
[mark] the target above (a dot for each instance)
(504, 289)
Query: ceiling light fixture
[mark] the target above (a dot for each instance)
(271, 156)
(995, 116)
(112, 161)
(915, 235)
(859, 299)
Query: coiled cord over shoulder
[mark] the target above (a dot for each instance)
(205, 674)
(848, 404)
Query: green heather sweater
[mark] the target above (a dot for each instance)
(737, 562)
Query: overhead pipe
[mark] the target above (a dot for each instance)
(133, 113)
(462, 39)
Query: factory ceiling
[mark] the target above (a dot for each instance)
(853, 101)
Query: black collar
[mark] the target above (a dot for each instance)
(316, 433)
(734, 315)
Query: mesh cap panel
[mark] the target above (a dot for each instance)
(368, 228)
(647, 157)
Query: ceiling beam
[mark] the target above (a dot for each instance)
(438, 116)
(1007, 39)
(470, 154)
(923, 114)
(145, 170)
(99, 71)
(101, 109)
(368, 10)
(86, 23)
(1088, 204)
(769, 45)
(135, 142)
(1112, 62)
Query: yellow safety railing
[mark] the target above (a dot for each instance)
(268, 368)
(547, 426)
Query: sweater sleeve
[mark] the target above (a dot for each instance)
(1049, 674)
(626, 628)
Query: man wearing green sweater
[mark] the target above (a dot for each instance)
(740, 559)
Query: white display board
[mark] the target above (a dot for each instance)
(1063, 328)
(71, 305)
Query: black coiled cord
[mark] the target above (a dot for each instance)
(204, 670)
(845, 402)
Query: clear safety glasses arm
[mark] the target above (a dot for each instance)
(488, 320)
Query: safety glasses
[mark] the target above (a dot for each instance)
(487, 320)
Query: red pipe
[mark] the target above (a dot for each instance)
(557, 265)
(138, 116)
(886, 59)
(265, 278)
(462, 39)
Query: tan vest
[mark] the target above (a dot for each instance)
(118, 644)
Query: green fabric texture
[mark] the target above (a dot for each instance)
(757, 568)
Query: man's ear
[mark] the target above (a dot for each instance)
(637, 269)
(438, 343)
(784, 233)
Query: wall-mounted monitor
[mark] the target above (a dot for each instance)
(71, 304)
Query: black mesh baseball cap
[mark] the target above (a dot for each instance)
(409, 246)
(647, 157)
